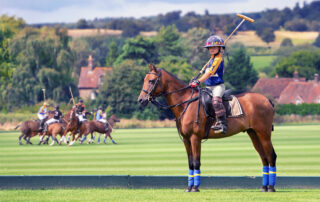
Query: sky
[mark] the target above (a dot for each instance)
(49, 11)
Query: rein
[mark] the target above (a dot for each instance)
(152, 97)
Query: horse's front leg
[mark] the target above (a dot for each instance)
(187, 145)
(108, 134)
(196, 154)
(73, 138)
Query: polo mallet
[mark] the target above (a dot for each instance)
(244, 18)
(74, 103)
(44, 94)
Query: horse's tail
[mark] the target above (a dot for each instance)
(272, 104)
(17, 127)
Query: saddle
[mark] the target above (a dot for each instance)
(230, 102)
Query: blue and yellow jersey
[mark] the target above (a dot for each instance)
(99, 115)
(215, 68)
(42, 110)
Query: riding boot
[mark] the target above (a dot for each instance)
(46, 129)
(41, 124)
(106, 127)
(79, 125)
(221, 121)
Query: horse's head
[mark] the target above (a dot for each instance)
(72, 113)
(114, 118)
(151, 86)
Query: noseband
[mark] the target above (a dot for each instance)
(150, 94)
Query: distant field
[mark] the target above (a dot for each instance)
(260, 62)
(159, 151)
(159, 195)
(249, 38)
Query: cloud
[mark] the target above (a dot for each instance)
(39, 11)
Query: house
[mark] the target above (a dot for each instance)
(91, 79)
(273, 87)
(301, 92)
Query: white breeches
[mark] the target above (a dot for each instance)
(81, 119)
(52, 120)
(218, 90)
(102, 120)
(42, 116)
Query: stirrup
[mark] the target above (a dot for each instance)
(219, 128)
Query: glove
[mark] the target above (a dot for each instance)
(194, 83)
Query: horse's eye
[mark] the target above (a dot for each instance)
(152, 81)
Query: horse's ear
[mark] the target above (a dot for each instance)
(152, 67)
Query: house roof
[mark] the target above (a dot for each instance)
(89, 78)
(307, 92)
(271, 86)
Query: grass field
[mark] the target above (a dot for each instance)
(158, 195)
(161, 152)
(260, 62)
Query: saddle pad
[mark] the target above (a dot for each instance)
(236, 109)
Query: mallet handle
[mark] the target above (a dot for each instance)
(72, 96)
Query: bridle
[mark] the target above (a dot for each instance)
(150, 94)
(152, 98)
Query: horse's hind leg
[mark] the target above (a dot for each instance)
(271, 156)
(257, 145)
(98, 141)
(20, 139)
(28, 140)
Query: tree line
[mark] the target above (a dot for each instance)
(299, 18)
(35, 58)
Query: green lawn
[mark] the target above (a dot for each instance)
(161, 152)
(159, 195)
(260, 62)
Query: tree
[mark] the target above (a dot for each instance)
(42, 60)
(131, 29)
(307, 63)
(266, 34)
(195, 53)
(239, 72)
(317, 41)
(121, 89)
(139, 48)
(296, 25)
(82, 24)
(113, 53)
(286, 43)
(177, 66)
(168, 40)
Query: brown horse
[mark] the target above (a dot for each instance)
(72, 126)
(257, 122)
(54, 130)
(30, 129)
(97, 126)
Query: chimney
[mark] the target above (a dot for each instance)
(90, 63)
(316, 78)
(296, 75)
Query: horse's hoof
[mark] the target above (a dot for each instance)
(195, 189)
(188, 189)
(264, 189)
(271, 189)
